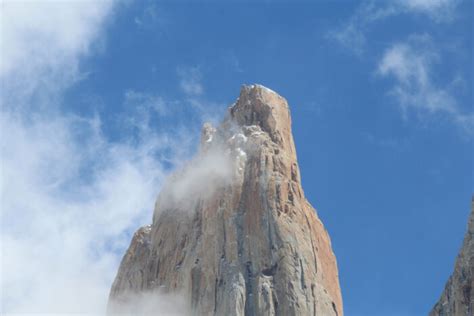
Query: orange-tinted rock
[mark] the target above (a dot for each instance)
(238, 236)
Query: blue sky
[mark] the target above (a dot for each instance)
(381, 96)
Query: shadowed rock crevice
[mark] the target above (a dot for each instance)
(232, 232)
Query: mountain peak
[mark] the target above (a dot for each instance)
(232, 232)
(261, 106)
(257, 89)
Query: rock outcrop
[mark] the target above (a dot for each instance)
(233, 232)
(458, 296)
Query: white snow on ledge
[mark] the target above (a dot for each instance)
(238, 139)
(268, 89)
(256, 85)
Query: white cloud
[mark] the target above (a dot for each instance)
(231, 59)
(149, 18)
(61, 231)
(387, 142)
(70, 197)
(145, 104)
(440, 10)
(410, 64)
(185, 187)
(43, 41)
(190, 80)
(353, 34)
(149, 302)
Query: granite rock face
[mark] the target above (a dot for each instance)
(232, 232)
(458, 296)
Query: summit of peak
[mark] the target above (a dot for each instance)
(261, 106)
(254, 91)
(257, 87)
(256, 104)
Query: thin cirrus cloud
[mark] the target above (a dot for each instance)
(191, 85)
(440, 10)
(144, 104)
(412, 62)
(149, 18)
(352, 34)
(70, 196)
(411, 65)
(190, 80)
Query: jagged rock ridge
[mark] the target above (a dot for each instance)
(458, 296)
(238, 237)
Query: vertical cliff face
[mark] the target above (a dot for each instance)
(232, 232)
(458, 296)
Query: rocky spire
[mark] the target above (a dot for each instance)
(458, 296)
(232, 232)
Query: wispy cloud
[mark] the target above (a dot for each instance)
(71, 30)
(144, 106)
(410, 64)
(190, 80)
(352, 34)
(150, 17)
(391, 143)
(191, 84)
(148, 303)
(70, 195)
(231, 58)
(439, 10)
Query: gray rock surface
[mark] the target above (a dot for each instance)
(232, 232)
(458, 296)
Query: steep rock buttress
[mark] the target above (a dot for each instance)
(233, 232)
